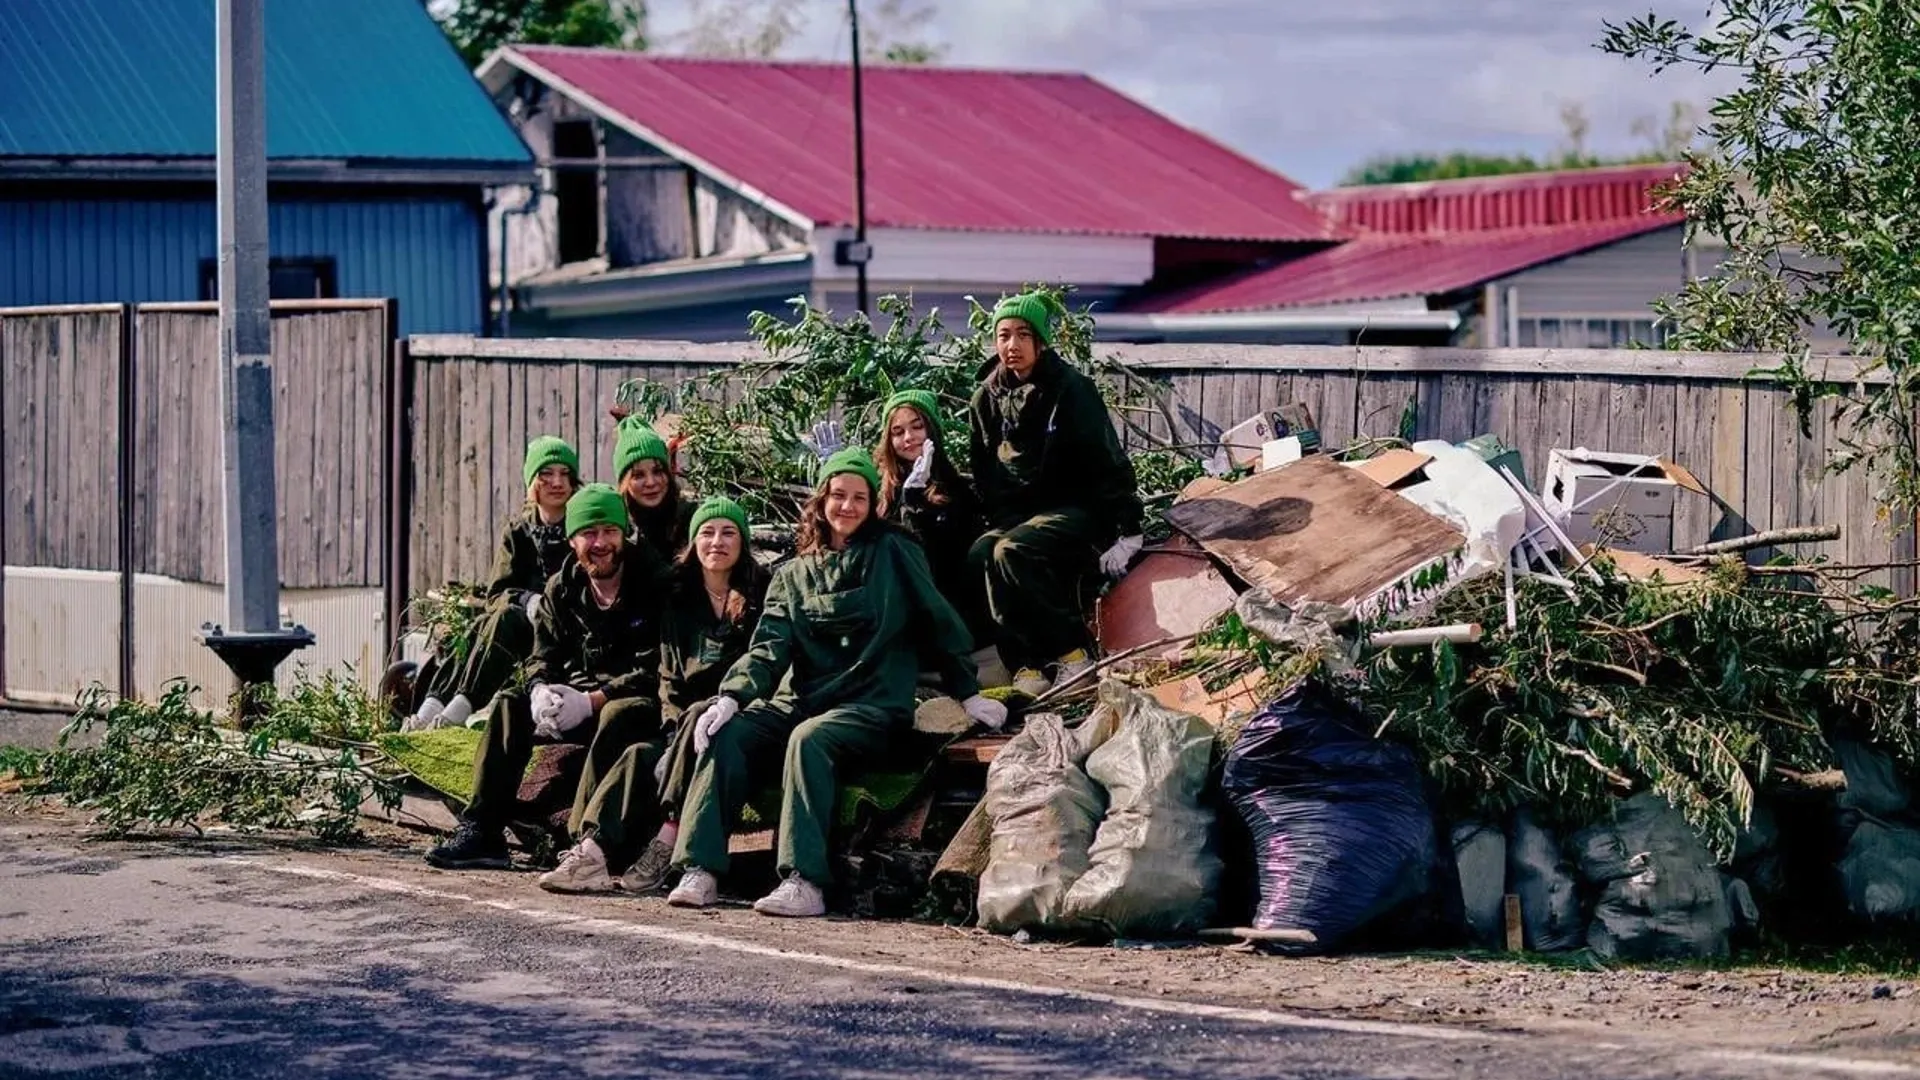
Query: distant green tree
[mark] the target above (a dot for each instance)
(477, 27)
(1665, 141)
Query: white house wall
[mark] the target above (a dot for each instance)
(937, 256)
(63, 633)
(731, 226)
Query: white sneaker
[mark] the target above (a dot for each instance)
(423, 718)
(1030, 682)
(697, 889)
(1071, 665)
(582, 869)
(649, 871)
(796, 898)
(456, 712)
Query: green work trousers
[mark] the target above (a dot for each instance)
(623, 724)
(627, 807)
(509, 741)
(502, 641)
(1035, 573)
(819, 753)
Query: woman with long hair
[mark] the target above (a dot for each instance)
(643, 471)
(713, 602)
(823, 689)
(922, 492)
(533, 547)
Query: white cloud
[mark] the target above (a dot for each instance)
(1314, 89)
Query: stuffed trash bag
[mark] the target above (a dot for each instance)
(1044, 811)
(1154, 866)
(1342, 830)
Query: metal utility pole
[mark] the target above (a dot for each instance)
(253, 642)
(857, 252)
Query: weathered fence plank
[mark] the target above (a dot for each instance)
(1735, 433)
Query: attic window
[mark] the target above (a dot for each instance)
(576, 189)
(303, 278)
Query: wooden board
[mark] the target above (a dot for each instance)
(1316, 531)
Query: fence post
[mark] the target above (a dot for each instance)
(396, 488)
(129, 330)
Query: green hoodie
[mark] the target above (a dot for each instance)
(697, 647)
(530, 552)
(614, 650)
(851, 626)
(1048, 444)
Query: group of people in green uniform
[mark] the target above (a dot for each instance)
(648, 632)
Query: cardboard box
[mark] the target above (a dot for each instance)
(1624, 501)
(1243, 441)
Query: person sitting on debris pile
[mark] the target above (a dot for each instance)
(845, 623)
(1057, 490)
(643, 469)
(533, 547)
(596, 657)
(713, 604)
(921, 491)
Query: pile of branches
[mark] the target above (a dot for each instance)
(308, 764)
(1705, 692)
(754, 432)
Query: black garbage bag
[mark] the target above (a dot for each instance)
(1343, 833)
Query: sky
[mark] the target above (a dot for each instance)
(1312, 89)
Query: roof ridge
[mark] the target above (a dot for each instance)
(803, 62)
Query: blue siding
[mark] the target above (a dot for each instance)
(423, 252)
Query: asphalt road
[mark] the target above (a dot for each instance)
(217, 960)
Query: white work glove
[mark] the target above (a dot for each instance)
(1117, 558)
(533, 606)
(574, 707)
(922, 468)
(546, 711)
(711, 721)
(824, 439)
(984, 710)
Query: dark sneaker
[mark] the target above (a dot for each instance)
(471, 848)
(649, 872)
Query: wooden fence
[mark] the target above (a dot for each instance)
(476, 402)
(64, 373)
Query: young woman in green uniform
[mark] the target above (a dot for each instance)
(823, 689)
(713, 603)
(533, 547)
(1059, 495)
(922, 492)
(643, 470)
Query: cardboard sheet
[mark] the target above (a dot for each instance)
(1316, 530)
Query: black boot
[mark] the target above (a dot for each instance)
(471, 847)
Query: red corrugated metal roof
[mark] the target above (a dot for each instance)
(946, 148)
(1569, 197)
(1384, 266)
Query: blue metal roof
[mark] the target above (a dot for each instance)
(346, 79)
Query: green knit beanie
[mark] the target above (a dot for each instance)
(549, 450)
(635, 440)
(719, 506)
(1031, 308)
(851, 460)
(596, 504)
(922, 401)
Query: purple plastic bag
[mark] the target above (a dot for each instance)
(1342, 831)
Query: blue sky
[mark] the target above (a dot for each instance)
(1313, 88)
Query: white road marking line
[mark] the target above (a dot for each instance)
(1270, 1017)
(698, 939)
(1861, 1066)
